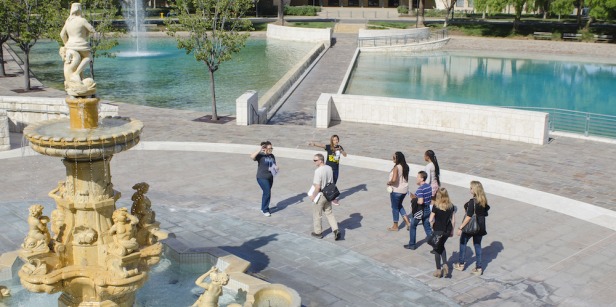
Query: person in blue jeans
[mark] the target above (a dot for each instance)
(420, 209)
(478, 206)
(266, 170)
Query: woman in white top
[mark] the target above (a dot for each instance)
(399, 186)
(433, 171)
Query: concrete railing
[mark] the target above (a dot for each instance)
(300, 34)
(22, 111)
(505, 124)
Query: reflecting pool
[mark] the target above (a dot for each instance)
(169, 78)
(487, 80)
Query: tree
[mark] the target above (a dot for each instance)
(213, 32)
(449, 5)
(420, 14)
(562, 7)
(100, 13)
(4, 31)
(518, 5)
(31, 20)
(601, 9)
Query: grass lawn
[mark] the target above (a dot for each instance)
(316, 24)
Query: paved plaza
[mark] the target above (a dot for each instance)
(551, 230)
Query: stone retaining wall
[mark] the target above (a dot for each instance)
(5, 140)
(420, 33)
(300, 34)
(22, 111)
(499, 123)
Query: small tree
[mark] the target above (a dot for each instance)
(421, 14)
(100, 14)
(601, 9)
(213, 32)
(449, 5)
(562, 7)
(4, 31)
(31, 20)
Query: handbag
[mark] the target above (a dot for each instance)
(472, 227)
(330, 191)
(435, 238)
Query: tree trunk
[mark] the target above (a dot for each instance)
(92, 67)
(579, 13)
(2, 71)
(27, 70)
(420, 14)
(213, 88)
(281, 13)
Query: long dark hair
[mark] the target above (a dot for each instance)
(437, 170)
(400, 159)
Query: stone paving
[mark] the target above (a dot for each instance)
(533, 256)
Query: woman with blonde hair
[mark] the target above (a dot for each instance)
(478, 205)
(443, 221)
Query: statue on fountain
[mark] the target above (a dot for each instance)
(38, 238)
(148, 229)
(76, 53)
(124, 241)
(213, 290)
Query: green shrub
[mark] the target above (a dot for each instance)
(435, 13)
(305, 10)
(149, 12)
(403, 9)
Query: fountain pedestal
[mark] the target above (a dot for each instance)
(92, 254)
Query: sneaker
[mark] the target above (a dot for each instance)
(458, 266)
(316, 235)
(477, 271)
(267, 214)
(411, 247)
(336, 235)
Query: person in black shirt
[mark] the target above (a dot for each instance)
(477, 205)
(266, 170)
(443, 222)
(334, 152)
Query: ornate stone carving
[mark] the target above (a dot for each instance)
(35, 267)
(76, 53)
(213, 290)
(38, 238)
(85, 235)
(4, 291)
(142, 206)
(124, 241)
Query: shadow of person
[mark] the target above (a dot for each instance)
(490, 252)
(352, 222)
(352, 190)
(249, 251)
(293, 200)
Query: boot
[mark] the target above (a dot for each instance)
(394, 227)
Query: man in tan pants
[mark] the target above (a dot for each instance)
(322, 176)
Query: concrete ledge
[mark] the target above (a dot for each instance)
(415, 47)
(22, 111)
(5, 139)
(300, 34)
(269, 101)
(492, 122)
(420, 33)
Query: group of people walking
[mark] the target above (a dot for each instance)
(430, 204)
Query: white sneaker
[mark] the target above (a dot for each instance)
(266, 214)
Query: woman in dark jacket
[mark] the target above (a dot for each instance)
(477, 205)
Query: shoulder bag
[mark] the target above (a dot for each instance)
(330, 191)
(472, 227)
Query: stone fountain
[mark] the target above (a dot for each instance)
(95, 253)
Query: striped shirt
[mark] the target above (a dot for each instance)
(425, 191)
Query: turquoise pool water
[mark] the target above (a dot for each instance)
(487, 80)
(171, 79)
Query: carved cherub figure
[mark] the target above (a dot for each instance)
(142, 206)
(38, 237)
(124, 241)
(213, 290)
